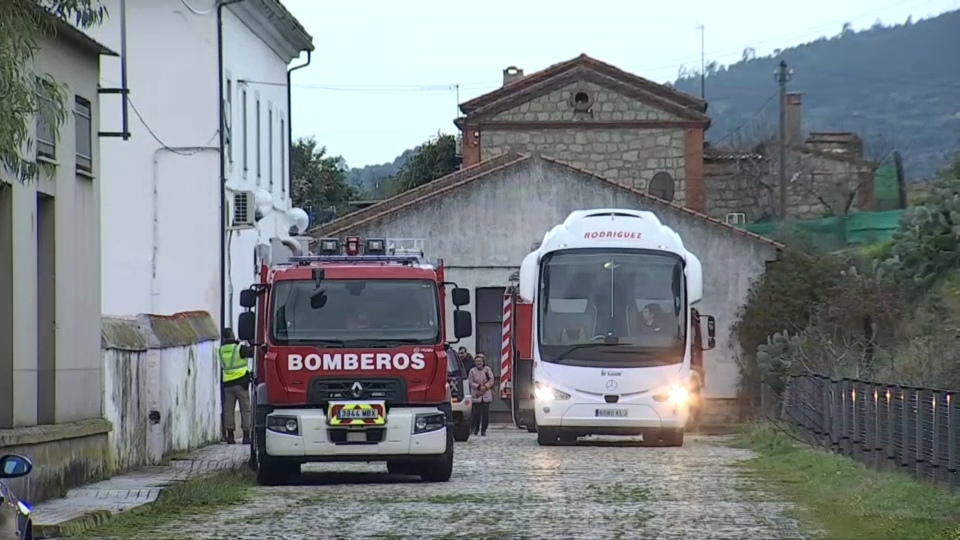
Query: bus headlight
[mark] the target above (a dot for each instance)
(545, 392)
(675, 395)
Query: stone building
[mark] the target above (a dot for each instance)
(827, 175)
(589, 114)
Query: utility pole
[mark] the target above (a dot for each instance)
(703, 67)
(783, 76)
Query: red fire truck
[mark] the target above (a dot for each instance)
(350, 363)
(516, 360)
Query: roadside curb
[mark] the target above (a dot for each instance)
(97, 517)
(78, 525)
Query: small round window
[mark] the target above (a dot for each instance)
(662, 186)
(581, 101)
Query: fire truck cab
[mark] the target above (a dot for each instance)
(350, 349)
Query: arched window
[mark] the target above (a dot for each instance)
(662, 186)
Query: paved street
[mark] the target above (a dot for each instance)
(505, 486)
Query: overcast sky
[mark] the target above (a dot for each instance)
(384, 73)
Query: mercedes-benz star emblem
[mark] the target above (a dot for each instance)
(357, 389)
(611, 385)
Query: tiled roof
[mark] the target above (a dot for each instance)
(585, 62)
(481, 170)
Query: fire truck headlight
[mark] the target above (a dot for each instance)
(428, 422)
(283, 424)
(675, 395)
(546, 393)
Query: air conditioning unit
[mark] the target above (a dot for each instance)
(735, 218)
(244, 210)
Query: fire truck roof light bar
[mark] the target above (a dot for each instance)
(407, 259)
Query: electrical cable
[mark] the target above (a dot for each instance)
(751, 118)
(160, 141)
(196, 11)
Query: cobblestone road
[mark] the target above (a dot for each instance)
(505, 486)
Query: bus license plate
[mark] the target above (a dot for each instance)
(611, 413)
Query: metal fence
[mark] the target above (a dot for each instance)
(882, 425)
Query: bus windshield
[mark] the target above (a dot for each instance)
(616, 308)
(358, 313)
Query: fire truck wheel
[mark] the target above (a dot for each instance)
(568, 439)
(671, 437)
(547, 437)
(440, 468)
(461, 431)
(276, 474)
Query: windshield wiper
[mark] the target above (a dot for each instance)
(578, 346)
(323, 342)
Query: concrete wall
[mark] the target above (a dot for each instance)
(504, 213)
(629, 156)
(162, 386)
(49, 266)
(160, 205)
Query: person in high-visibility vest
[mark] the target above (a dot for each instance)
(236, 387)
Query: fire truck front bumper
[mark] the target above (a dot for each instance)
(307, 435)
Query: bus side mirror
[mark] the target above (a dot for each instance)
(711, 333)
(462, 324)
(247, 326)
(248, 298)
(460, 296)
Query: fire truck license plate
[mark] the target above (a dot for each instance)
(356, 413)
(612, 413)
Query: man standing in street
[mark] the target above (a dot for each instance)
(236, 387)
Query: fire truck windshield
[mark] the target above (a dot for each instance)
(358, 313)
(609, 307)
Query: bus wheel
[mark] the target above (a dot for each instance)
(531, 429)
(547, 437)
(671, 437)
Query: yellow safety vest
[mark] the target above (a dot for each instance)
(233, 366)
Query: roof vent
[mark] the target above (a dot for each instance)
(511, 75)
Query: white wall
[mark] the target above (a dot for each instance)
(181, 383)
(167, 260)
(172, 77)
(77, 375)
(247, 58)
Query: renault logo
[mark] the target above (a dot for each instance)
(611, 385)
(357, 389)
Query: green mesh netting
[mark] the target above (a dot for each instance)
(832, 232)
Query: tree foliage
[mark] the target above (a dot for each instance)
(869, 81)
(433, 159)
(23, 90)
(888, 312)
(926, 247)
(319, 180)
